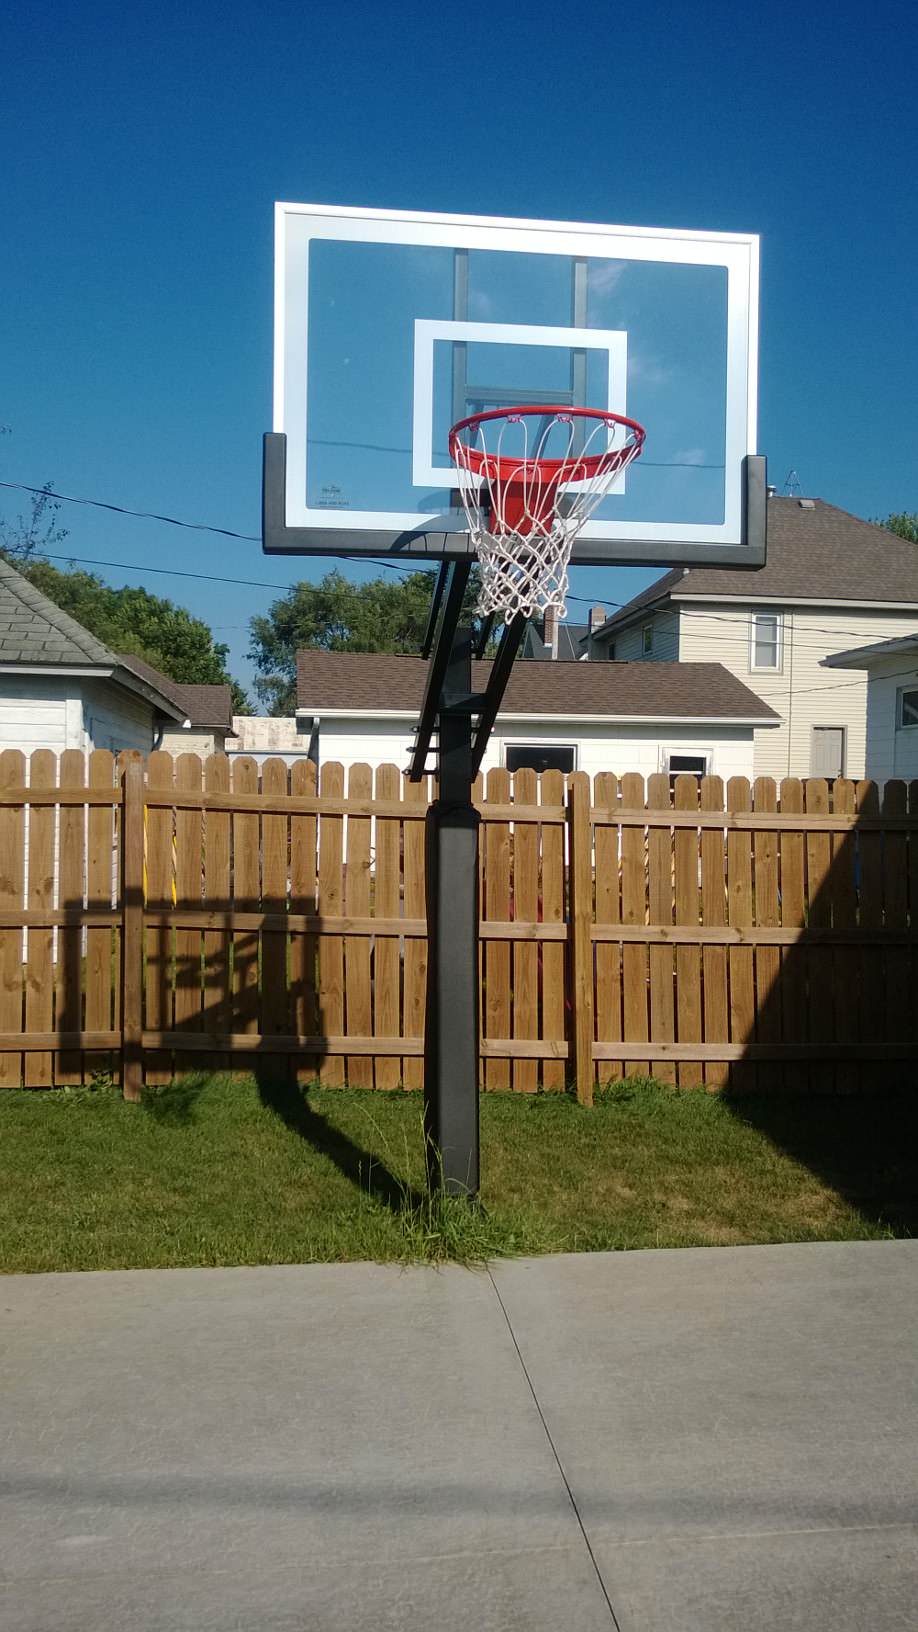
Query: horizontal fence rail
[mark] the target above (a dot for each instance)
(163, 915)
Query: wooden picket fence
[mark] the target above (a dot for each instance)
(160, 915)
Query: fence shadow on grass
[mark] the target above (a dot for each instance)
(846, 988)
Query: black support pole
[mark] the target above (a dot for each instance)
(452, 1027)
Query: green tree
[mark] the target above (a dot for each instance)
(132, 620)
(905, 523)
(385, 614)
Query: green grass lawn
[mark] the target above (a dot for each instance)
(230, 1170)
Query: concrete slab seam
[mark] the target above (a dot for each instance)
(554, 1451)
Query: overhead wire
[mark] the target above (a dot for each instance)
(390, 566)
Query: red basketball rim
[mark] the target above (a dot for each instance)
(573, 468)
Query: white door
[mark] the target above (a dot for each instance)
(827, 757)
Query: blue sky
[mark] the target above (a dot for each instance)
(143, 149)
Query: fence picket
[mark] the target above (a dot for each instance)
(553, 953)
(740, 915)
(357, 947)
(101, 875)
(895, 916)
(386, 959)
(246, 894)
(766, 914)
(275, 996)
(846, 959)
(608, 911)
(525, 910)
(12, 876)
(39, 996)
(331, 905)
(159, 819)
(634, 911)
(792, 847)
(819, 916)
(713, 907)
(69, 973)
(415, 949)
(303, 901)
(580, 867)
(218, 958)
(686, 875)
(189, 861)
(660, 905)
(497, 1013)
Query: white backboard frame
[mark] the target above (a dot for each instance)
(293, 525)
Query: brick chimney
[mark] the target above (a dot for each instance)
(550, 630)
(597, 618)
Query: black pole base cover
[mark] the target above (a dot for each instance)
(452, 1027)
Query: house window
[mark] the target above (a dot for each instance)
(540, 756)
(766, 639)
(679, 764)
(907, 711)
(647, 640)
(610, 652)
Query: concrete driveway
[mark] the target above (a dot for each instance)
(713, 1440)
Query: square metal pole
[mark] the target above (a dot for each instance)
(452, 1021)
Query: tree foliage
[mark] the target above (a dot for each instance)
(385, 614)
(132, 620)
(905, 523)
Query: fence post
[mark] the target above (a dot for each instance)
(132, 929)
(581, 933)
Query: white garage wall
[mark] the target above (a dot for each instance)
(600, 746)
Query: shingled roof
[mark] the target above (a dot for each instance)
(816, 552)
(380, 683)
(34, 630)
(35, 633)
(206, 708)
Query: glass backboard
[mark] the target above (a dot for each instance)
(390, 326)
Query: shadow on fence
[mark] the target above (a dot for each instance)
(846, 990)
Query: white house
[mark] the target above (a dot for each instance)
(891, 667)
(831, 582)
(361, 707)
(61, 688)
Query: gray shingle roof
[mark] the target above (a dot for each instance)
(208, 708)
(816, 552)
(34, 630)
(380, 682)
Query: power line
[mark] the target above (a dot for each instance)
(389, 566)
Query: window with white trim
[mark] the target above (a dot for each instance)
(766, 640)
(906, 708)
(540, 756)
(647, 640)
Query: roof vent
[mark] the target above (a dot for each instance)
(807, 504)
(771, 490)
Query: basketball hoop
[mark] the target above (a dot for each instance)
(529, 479)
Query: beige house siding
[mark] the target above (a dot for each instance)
(802, 692)
(629, 644)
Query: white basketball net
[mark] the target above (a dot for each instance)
(526, 498)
